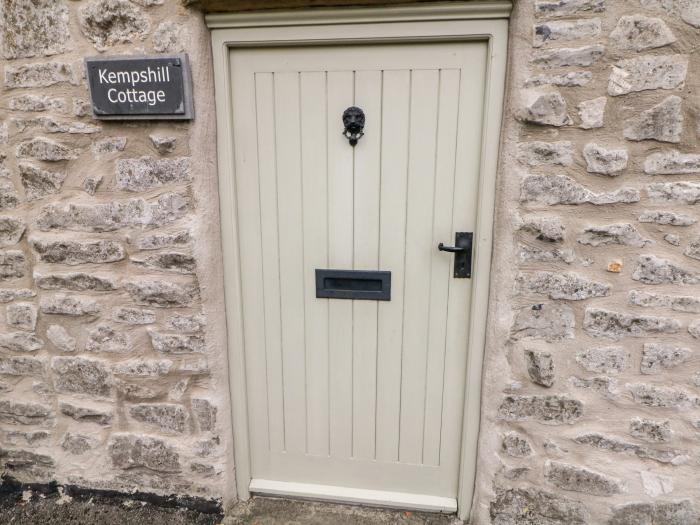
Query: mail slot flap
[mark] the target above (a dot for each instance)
(353, 284)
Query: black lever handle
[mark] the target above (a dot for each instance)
(452, 249)
(463, 254)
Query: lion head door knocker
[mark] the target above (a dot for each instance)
(354, 122)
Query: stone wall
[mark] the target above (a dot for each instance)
(596, 316)
(112, 348)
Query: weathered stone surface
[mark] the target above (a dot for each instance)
(61, 339)
(81, 376)
(570, 79)
(549, 410)
(656, 484)
(673, 239)
(551, 322)
(516, 445)
(675, 192)
(545, 153)
(557, 8)
(109, 145)
(606, 359)
(605, 161)
(9, 198)
(162, 240)
(549, 229)
(166, 417)
(527, 254)
(168, 261)
(650, 430)
(137, 392)
(78, 252)
(40, 148)
(90, 184)
(671, 163)
(17, 437)
(8, 295)
(659, 396)
(648, 72)
(682, 303)
(15, 413)
(565, 57)
(687, 10)
(561, 285)
(639, 33)
(656, 513)
(655, 270)
(13, 265)
(133, 316)
(164, 144)
(143, 368)
(48, 18)
(670, 218)
(37, 103)
(663, 122)
(560, 189)
(61, 304)
(51, 125)
(39, 467)
(176, 343)
(530, 506)
(592, 113)
(168, 38)
(104, 339)
(624, 234)
(40, 75)
(85, 414)
(21, 366)
(77, 444)
(565, 31)
(162, 294)
(109, 22)
(602, 442)
(694, 329)
(113, 216)
(545, 108)
(22, 316)
(693, 248)
(11, 231)
(205, 414)
(598, 322)
(20, 342)
(580, 479)
(76, 282)
(38, 182)
(147, 173)
(132, 451)
(185, 323)
(604, 386)
(540, 367)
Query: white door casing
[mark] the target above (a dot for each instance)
(357, 394)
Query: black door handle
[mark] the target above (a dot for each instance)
(463, 254)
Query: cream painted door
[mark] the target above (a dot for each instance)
(348, 394)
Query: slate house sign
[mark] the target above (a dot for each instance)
(140, 87)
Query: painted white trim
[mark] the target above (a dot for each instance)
(429, 22)
(377, 498)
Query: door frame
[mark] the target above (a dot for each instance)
(483, 21)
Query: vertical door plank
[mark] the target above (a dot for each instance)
(368, 95)
(442, 263)
(419, 250)
(394, 168)
(340, 246)
(291, 257)
(314, 163)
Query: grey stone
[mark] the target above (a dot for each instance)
(551, 322)
(671, 163)
(545, 153)
(40, 75)
(570, 79)
(90, 184)
(81, 376)
(549, 410)
(531, 506)
(38, 182)
(650, 430)
(9, 198)
(675, 192)
(560, 189)
(694, 329)
(693, 248)
(113, 216)
(22, 316)
(40, 148)
(168, 261)
(602, 442)
(86, 415)
(16, 413)
(16, 437)
(162, 240)
(549, 229)
(601, 385)
(561, 285)
(13, 265)
(540, 367)
(580, 479)
(623, 234)
(78, 252)
(77, 444)
(605, 161)
(51, 125)
(75, 282)
(176, 343)
(81, 107)
(21, 366)
(592, 113)
(656, 513)
(37, 103)
(557, 8)
(206, 447)
(20, 342)
(49, 22)
(8, 295)
(163, 144)
(61, 304)
(168, 38)
(166, 417)
(134, 392)
(185, 323)
(566, 57)
(639, 33)
(104, 339)
(205, 414)
(670, 218)
(11, 231)
(659, 396)
(109, 145)
(663, 122)
(565, 31)
(61, 339)
(681, 303)
(38, 467)
(132, 451)
(672, 239)
(686, 10)
(606, 359)
(528, 254)
(206, 471)
(598, 322)
(109, 22)
(163, 294)
(147, 173)
(133, 316)
(515, 445)
(655, 270)
(647, 72)
(143, 368)
(544, 108)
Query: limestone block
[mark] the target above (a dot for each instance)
(606, 359)
(531, 506)
(17, 437)
(9, 198)
(570, 79)
(147, 173)
(639, 33)
(16, 413)
(132, 451)
(681, 303)
(567, 57)
(166, 417)
(672, 239)
(580, 479)
(605, 161)
(663, 122)
(21, 366)
(20, 342)
(81, 376)
(664, 217)
(656, 484)
(185, 323)
(623, 234)
(648, 72)
(686, 10)
(515, 445)
(599, 322)
(39, 182)
(592, 113)
(8, 295)
(142, 368)
(90, 184)
(561, 285)
(41, 148)
(560, 189)
(162, 240)
(61, 304)
(655, 270)
(13, 265)
(176, 343)
(133, 316)
(657, 357)
(548, 229)
(674, 192)
(86, 414)
(162, 294)
(163, 144)
(108, 145)
(78, 444)
(48, 20)
(659, 396)
(104, 339)
(75, 282)
(546, 153)
(602, 442)
(551, 322)
(528, 254)
(565, 31)
(61, 339)
(548, 410)
(557, 8)
(11, 230)
(51, 125)
(40, 75)
(26, 465)
(671, 163)
(37, 103)
(22, 316)
(544, 108)
(540, 367)
(168, 37)
(205, 413)
(78, 252)
(109, 22)
(604, 386)
(168, 261)
(693, 248)
(650, 430)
